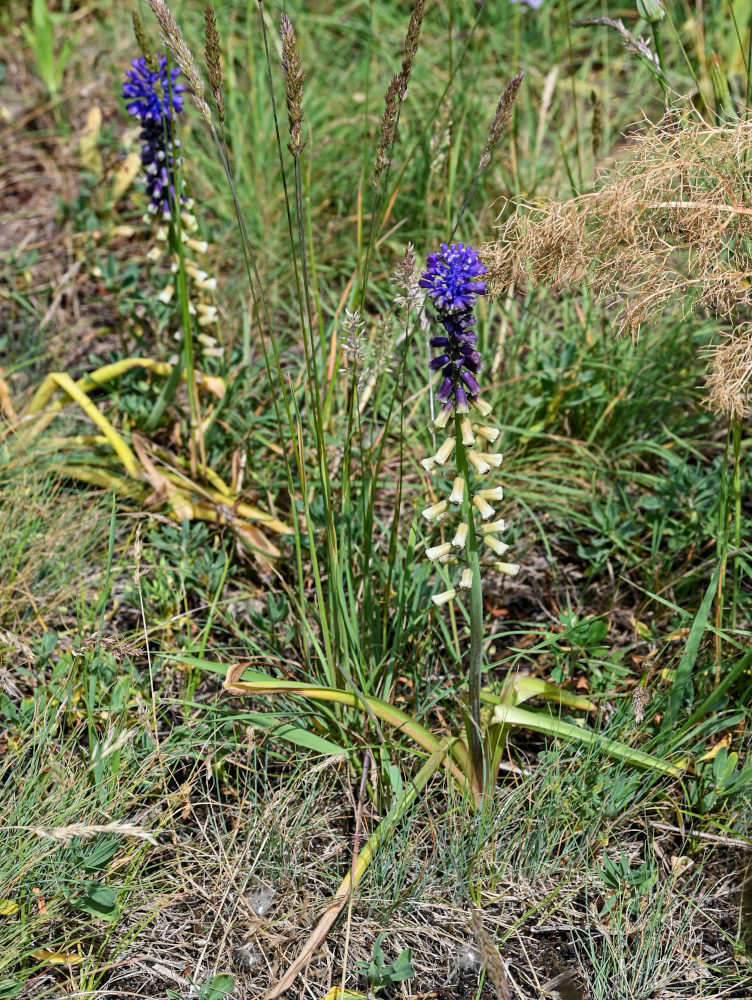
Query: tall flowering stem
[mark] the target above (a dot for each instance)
(451, 282)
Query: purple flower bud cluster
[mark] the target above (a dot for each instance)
(153, 98)
(450, 280)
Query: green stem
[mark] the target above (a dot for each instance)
(656, 29)
(475, 660)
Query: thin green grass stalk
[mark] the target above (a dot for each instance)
(736, 488)
(274, 373)
(722, 549)
(337, 610)
(570, 48)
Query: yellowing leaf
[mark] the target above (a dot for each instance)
(7, 907)
(722, 744)
(124, 175)
(335, 993)
(58, 957)
(642, 630)
(88, 144)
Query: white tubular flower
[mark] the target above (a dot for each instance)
(494, 527)
(494, 493)
(189, 221)
(458, 490)
(195, 272)
(487, 433)
(432, 512)
(154, 254)
(445, 598)
(439, 550)
(447, 559)
(478, 462)
(466, 580)
(166, 294)
(210, 285)
(500, 548)
(443, 418)
(508, 569)
(161, 234)
(481, 406)
(428, 464)
(485, 509)
(494, 459)
(467, 431)
(444, 451)
(198, 246)
(461, 536)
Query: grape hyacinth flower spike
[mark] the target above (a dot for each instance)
(451, 280)
(154, 98)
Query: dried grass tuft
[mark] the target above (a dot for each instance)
(668, 225)
(83, 831)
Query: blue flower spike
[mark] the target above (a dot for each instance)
(154, 98)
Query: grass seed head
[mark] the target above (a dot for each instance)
(144, 42)
(500, 119)
(292, 71)
(213, 60)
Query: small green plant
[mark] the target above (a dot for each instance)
(42, 34)
(216, 988)
(381, 973)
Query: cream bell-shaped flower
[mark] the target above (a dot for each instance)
(458, 490)
(494, 459)
(432, 512)
(484, 509)
(444, 598)
(468, 437)
(439, 550)
(508, 569)
(461, 536)
(500, 548)
(443, 418)
(489, 434)
(494, 527)
(481, 406)
(494, 493)
(466, 579)
(478, 461)
(444, 451)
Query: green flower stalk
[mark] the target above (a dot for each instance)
(451, 283)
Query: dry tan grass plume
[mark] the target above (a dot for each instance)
(667, 228)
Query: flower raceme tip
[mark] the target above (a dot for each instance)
(450, 280)
(154, 98)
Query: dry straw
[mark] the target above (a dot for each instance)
(668, 225)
